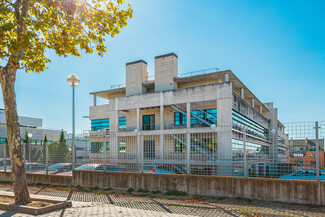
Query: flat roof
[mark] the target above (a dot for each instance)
(236, 85)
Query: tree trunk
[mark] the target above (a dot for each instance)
(7, 80)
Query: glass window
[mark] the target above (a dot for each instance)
(100, 124)
(96, 147)
(252, 128)
(122, 147)
(209, 115)
(148, 122)
(179, 119)
(122, 122)
(194, 120)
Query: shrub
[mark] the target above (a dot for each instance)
(130, 190)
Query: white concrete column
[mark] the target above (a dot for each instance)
(272, 115)
(253, 102)
(261, 109)
(138, 119)
(113, 129)
(226, 78)
(224, 130)
(242, 94)
(188, 138)
(94, 100)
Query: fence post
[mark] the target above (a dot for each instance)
(141, 152)
(5, 157)
(188, 137)
(47, 157)
(29, 153)
(214, 155)
(317, 152)
(188, 152)
(245, 152)
(104, 149)
(24, 151)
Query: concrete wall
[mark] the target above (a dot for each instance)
(290, 191)
(40, 178)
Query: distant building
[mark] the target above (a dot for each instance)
(34, 127)
(82, 147)
(303, 153)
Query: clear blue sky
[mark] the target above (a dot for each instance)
(277, 48)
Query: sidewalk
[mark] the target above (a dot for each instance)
(91, 204)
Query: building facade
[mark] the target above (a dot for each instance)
(190, 123)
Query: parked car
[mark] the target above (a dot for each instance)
(305, 174)
(34, 167)
(59, 168)
(97, 167)
(109, 167)
(153, 168)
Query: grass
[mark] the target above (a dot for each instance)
(156, 192)
(176, 193)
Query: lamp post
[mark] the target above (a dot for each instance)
(29, 147)
(73, 80)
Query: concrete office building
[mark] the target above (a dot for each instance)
(146, 122)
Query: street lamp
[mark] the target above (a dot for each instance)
(73, 80)
(29, 148)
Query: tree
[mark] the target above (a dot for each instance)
(28, 28)
(58, 152)
(62, 138)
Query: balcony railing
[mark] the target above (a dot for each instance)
(117, 86)
(199, 72)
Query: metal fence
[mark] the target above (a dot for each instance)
(199, 150)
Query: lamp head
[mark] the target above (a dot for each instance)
(73, 80)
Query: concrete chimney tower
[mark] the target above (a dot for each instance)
(136, 75)
(166, 68)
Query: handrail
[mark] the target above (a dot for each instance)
(199, 72)
(117, 86)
